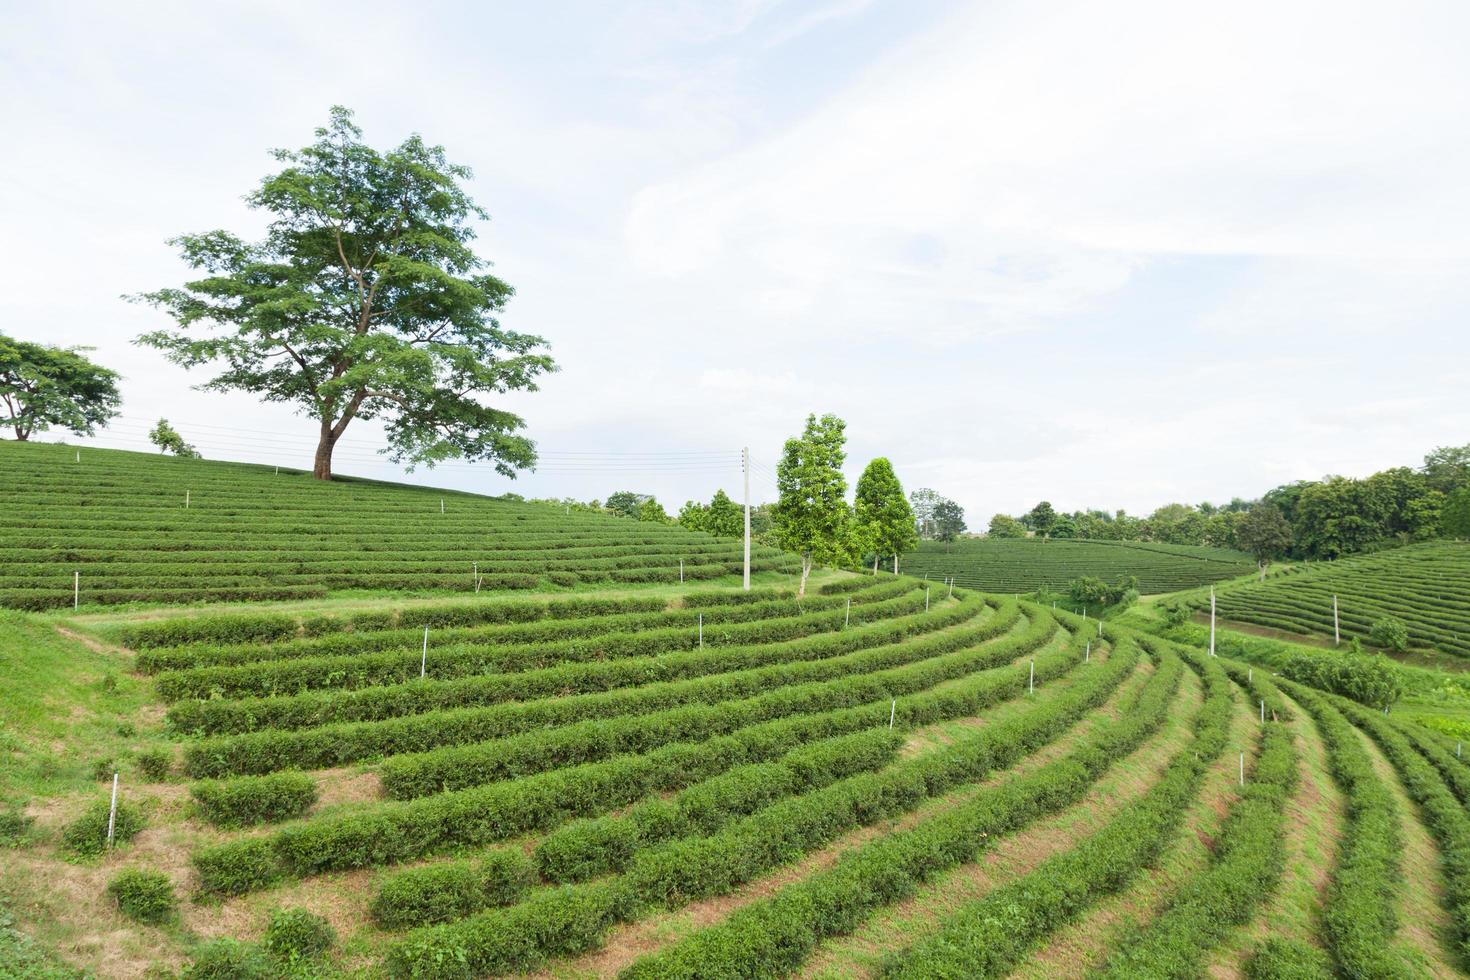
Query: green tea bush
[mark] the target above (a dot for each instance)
(87, 835)
(155, 763)
(15, 827)
(255, 799)
(1279, 958)
(1389, 633)
(238, 866)
(444, 892)
(226, 959)
(296, 935)
(144, 896)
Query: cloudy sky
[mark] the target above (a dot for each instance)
(1114, 254)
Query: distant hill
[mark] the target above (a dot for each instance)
(146, 528)
(1027, 564)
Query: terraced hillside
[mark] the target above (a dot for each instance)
(882, 779)
(1426, 586)
(138, 527)
(1015, 565)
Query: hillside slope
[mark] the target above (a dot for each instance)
(1427, 586)
(140, 527)
(1026, 564)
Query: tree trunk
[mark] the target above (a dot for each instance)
(806, 569)
(322, 468)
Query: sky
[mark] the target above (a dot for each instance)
(1110, 255)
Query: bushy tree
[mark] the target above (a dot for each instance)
(1064, 527)
(1447, 468)
(811, 513)
(923, 501)
(949, 520)
(1389, 633)
(42, 387)
(1040, 518)
(1002, 526)
(883, 521)
(624, 503)
(168, 440)
(725, 518)
(1264, 533)
(653, 512)
(1455, 517)
(364, 300)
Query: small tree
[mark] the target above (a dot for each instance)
(168, 440)
(364, 300)
(1389, 633)
(624, 503)
(1264, 533)
(653, 512)
(1455, 518)
(725, 518)
(43, 386)
(811, 513)
(694, 516)
(923, 501)
(882, 518)
(949, 519)
(1003, 526)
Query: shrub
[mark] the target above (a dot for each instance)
(237, 866)
(226, 959)
(1287, 959)
(1389, 633)
(144, 896)
(295, 935)
(155, 763)
(1372, 680)
(103, 769)
(87, 835)
(443, 892)
(255, 799)
(14, 827)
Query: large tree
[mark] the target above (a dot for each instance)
(949, 519)
(1040, 518)
(364, 300)
(1005, 526)
(811, 513)
(883, 521)
(1264, 533)
(43, 386)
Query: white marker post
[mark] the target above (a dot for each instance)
(1099, 627)
(1242, 768)
(926, 600)
(424, 661)
(1087, 654)
(892, 710)
(186, 499)
(745, 460)
(681, 571)
(441, 505)
(79, 455)
(112, 812)
(701, 631)
(1212, 620)
(1250, 675)
(847, 616)
(76, 590)
(1263, 711)
(1033, 675)
(475, 566)
(1336, 627)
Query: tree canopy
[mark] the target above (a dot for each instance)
(43, 386)
(168, 440)
(1004, 526)
(811, 514)
(364, 300)
(883, 521)
(949, 520)
(1264, 533)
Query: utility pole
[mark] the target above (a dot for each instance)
(745, 464)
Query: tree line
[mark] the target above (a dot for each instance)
(1309, 519)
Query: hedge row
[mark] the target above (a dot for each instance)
(402, 831)
(255, 799)
(444, 892)
(552, 731)
(572, 919)
(1359, 917)
(596, 846)
(373, 669)
(316, 708)
(1442, 813)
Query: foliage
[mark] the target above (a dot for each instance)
(255, 799)
(949, 520)
(1265, 533)
(1094, 593)
(624, 503)
(652, 512)
(87, 834)
(1389, 633)
(144, 896)
(1026, 565)
(444, 892)
(226, 959)
(811, 514)
(43, 386)
(1456, 513)
(721, 517)
(15, 827)
(883, 521)
(364, 300)
(168, 440)
(296, 935)
(1002, 526)
(155, 763)
(1040, 518)
(1373, 680)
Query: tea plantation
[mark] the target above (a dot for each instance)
(1426, 587)
(1016, 565)
(644, 778)
(138, 527)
